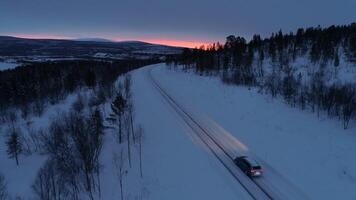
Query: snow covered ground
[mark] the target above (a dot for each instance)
(6, 65)
(19, 179)
(174, 167)
(315, 154)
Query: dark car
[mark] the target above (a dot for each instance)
(249, 166)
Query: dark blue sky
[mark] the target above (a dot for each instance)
(166, 20)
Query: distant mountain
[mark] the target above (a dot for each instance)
(13, 46)
(93, 40)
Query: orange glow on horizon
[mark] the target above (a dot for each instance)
(177, 43)
(168, 42)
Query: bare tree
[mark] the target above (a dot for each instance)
(79, 104)
(127, 86)
(63, 166)
(139, 136)
(49, 184)
(14, 144)
(82, 138)
(129, 114)
(74, 145)
(121, 172)
(128, 131)
(348, 108)
(97, 128)
(38, 106)
(3, 189)
(32, 140)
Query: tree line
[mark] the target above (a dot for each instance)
(33, 86)
(268, 64)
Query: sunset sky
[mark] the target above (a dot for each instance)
(173, 22)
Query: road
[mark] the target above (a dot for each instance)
(225, 148)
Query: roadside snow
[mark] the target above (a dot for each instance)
(317, 155)
(173, 166)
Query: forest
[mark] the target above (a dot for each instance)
(72, 141)
(304, 68)
(34, 86)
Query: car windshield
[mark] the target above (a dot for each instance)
(256, 167)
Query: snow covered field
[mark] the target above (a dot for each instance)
(316, 155)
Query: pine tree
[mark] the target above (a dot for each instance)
(118, 107)
(337, 60)
(97, 120)
(97, 141)
(90, 79)
(14, 145)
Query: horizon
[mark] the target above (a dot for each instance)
(165, 42)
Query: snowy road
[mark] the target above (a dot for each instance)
(225, 148)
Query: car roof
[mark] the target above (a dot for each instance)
(250, 160)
